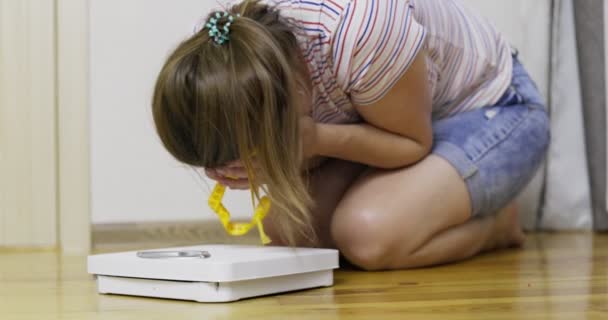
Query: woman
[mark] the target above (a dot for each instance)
(399, 132)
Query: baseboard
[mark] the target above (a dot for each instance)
(127, 236)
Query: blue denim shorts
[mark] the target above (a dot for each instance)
(497, 149)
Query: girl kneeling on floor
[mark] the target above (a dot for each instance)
(397, 131)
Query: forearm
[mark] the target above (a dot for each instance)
(367, 144)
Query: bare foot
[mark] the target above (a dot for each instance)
(507, 230)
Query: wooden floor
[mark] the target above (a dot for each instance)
(554, 277)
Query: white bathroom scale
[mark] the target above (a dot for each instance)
(213, 273)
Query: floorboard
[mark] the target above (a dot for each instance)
(555, 276)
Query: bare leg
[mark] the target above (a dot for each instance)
(466, 240)
(328, 183)
(415, 216)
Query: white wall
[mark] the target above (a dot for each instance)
(133, 178)
(526, 24)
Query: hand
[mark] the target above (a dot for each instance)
(308, 133)
(233, 175)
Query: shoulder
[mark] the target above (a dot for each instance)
(374, 46)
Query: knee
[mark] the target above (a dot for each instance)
(362, 239)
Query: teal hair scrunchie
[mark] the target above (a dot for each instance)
(220, 35)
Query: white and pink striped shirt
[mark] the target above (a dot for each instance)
(356, 51)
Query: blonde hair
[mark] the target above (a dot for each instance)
(215, 103)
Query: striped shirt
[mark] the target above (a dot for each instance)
(356, 50)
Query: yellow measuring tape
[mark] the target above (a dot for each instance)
(237, 228)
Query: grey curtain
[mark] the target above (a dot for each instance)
(575, 180)
(589, 21)
(566, 198)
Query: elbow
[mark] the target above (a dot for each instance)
(407, 157)
(426, 145)
(411, 154)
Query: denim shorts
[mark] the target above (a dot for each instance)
(497, 149)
